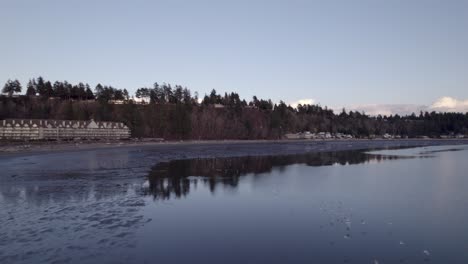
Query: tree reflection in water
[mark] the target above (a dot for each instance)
(175, 178)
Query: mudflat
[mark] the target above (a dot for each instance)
(248, 147)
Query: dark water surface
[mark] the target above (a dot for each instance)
(392, 206)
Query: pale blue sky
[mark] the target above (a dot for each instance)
(337, 52)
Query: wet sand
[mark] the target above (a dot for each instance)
(258, 147)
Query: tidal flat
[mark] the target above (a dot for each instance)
(366, 201)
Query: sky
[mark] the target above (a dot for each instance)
(379, 55)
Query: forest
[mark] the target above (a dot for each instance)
(175, 113)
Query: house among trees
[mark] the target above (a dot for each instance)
(35, 129)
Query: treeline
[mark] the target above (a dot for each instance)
(162, 94)
(174, 112)
(64, 90)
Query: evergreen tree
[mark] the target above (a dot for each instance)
(187, 97)
(31, 88)
(60, 90)
(11, 87)
(89, 93)
(40, 88)
(126, 95)
(98, 91)
(49, 91)
(81, 91)
(117, 95)
(178, 94)
(158, 93)
(168, 94)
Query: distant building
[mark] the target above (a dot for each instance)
(35, 129)
(319, 135)
(307, 135)
(292, 136)
(387, 136)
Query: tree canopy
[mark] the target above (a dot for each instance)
(173, 112)
(11, 87)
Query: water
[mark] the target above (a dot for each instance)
(392, 206)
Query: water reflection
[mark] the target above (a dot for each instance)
(176, 178)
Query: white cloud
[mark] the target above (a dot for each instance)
(307, 101)
(443, 104)
(386, 109)
(450, 104)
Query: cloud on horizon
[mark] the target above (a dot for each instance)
(442, 104)
(306, 101)
(449, 104)
(386, 109)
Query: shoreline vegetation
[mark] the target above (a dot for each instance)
(175, 113)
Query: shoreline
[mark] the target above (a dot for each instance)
(13, 149)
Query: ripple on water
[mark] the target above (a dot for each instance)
(107, 225)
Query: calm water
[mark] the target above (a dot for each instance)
(392, 206)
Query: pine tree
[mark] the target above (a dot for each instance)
(12, 87)
(60, 90)
(126, 95)
(31, 88)
(40, 88)
(89, 93)
(81, 91)
(49, 91)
